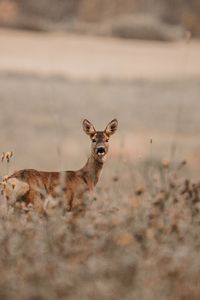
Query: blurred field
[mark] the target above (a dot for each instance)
(97, 58)
(139, 235)
(41, 120)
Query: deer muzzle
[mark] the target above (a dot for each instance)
(100, 151)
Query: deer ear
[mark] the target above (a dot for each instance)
(88, 128)
(111, 127)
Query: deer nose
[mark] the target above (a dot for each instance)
(101, 150)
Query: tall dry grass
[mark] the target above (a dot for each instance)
(138, 238)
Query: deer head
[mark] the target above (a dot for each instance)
(100, 139)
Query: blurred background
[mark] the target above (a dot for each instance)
(124, 18)
(66, 60)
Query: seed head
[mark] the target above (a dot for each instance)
(8, 156)
(165, 164)
(2, 156)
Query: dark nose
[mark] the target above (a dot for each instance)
(100, 150)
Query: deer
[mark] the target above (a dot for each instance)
(34, 187)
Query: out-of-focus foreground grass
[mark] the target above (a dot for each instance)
(132, 241)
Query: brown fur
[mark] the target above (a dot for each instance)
(33, 187)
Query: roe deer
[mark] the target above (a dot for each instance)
(33, 187)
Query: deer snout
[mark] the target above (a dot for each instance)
(100, 150)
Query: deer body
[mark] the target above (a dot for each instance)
(33, 187)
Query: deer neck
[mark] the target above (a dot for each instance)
(91, 171)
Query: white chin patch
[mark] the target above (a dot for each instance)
(102, 157)
(101, 154)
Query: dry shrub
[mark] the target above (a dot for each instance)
(145, 26)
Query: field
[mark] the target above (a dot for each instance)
(138, 236)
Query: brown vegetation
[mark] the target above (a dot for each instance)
(141, 242)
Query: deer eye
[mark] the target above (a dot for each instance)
(94, 140)
(107, 140)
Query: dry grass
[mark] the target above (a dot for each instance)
(136, 240)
